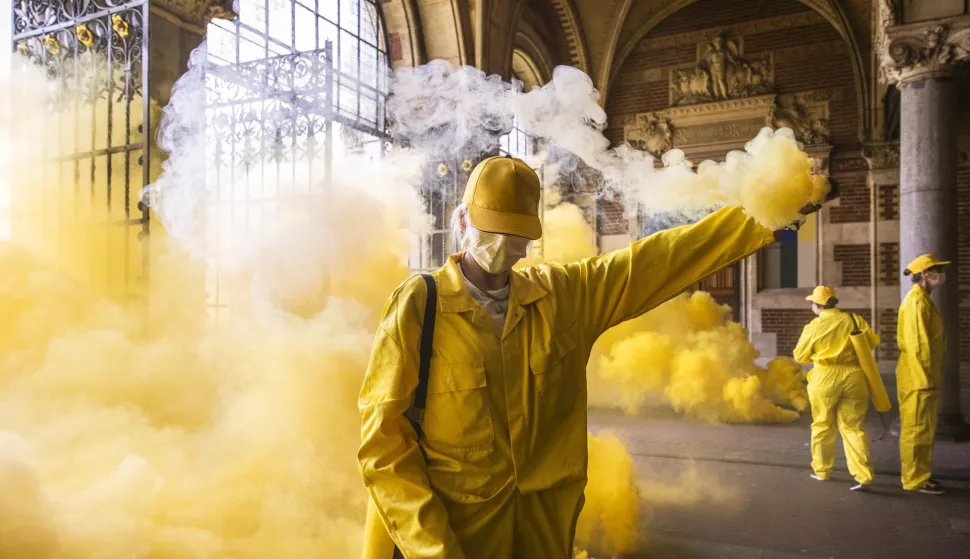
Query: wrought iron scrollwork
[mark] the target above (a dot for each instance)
(91, 48)
(272, 109)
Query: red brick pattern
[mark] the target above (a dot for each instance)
(854, 201)
(717, 13)
(889, 268)
(963, 226)
(856, 261)
(797, 67)
(889, 202)
(887, 331)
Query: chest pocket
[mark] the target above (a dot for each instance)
(556, 385)
(457, 416)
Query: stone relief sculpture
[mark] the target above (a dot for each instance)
(790, 112)
(721, 73)
(652, 134)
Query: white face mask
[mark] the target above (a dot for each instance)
(494, 253)
(941, 279)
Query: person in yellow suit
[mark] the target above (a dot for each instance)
(922, 347)
(497, 468)
(837, 388)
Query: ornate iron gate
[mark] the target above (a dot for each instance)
(290, 84)
(94, 157)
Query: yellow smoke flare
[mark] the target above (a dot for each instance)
(611, 515)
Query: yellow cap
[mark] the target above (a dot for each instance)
(821, 296)
(503, 197)
(923, 263)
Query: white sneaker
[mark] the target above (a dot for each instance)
(816, 478)
(859, 487)
(930, 490)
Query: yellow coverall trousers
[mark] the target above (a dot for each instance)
(919, 414)
(840, 398)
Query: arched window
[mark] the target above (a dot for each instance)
(286, 40)
(291, 86)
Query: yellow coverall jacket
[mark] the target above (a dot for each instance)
(838, 392)
(501, 469)
(922, 348)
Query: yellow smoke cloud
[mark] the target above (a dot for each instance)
(610, 518)
(133, 424)
(141, 427)
(686, 352)
(690, 355)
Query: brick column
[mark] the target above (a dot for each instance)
(921, 59)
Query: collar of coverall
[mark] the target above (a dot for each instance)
(454, 297)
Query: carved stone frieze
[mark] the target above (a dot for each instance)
(730, 124)
(651, 133)
(197, 12)
(882, 156)
(721, 73)
(924, 50)
(807, 114)
(850, 164)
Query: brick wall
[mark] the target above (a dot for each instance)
(963, 225)
(788, 324)
(889, 268)
(887, 331)
(854, 201)
(889, 202)
(856, 261)
(808, 56)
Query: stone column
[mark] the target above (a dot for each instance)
(921, 58)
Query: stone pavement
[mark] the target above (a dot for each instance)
(747, 494)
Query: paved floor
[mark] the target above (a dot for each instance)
(743, 491)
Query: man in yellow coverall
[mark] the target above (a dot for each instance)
(500, 467)
(837, 387)
(922, 347)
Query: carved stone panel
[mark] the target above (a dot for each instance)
(651, 133)
(918, 51)
(726, 125)
(721, 73)
(882, 155)
(807, 114)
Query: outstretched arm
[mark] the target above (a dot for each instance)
(629, 282)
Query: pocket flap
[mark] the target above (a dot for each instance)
(561, 344)
(452, 377)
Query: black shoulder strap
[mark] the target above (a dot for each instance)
(416, 413)
(427, 338)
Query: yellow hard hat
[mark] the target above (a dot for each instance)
(503, 197)
(922, 263)
(821, 296)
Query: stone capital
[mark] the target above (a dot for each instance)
(196, 12)
(881, 155)
(924, 50)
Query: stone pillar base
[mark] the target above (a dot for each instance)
(952, 428)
